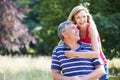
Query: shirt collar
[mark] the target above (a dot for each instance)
(67, 47)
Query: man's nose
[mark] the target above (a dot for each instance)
(77, 30)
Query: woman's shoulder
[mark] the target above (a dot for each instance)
(92, 28)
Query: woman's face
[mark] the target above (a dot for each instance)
(81, 18)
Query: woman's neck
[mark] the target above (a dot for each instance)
(83, 28)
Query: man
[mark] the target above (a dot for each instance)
(77, 68)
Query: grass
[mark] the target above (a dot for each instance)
(114, 67)
(28, 68)
(25, 68)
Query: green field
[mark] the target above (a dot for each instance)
(27, 68)
(24, 75)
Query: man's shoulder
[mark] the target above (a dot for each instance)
(59, 46)
(85, 46)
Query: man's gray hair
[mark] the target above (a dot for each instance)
(62, 27)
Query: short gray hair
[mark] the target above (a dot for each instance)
(62, 27)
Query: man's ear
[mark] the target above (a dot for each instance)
(64, 34)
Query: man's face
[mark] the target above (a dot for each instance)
(72, 32)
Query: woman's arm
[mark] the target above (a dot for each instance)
(93, 34)
(88, 54)
(94, 41)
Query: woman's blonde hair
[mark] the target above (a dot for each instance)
(76, 10)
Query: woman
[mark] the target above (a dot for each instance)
(88, 34)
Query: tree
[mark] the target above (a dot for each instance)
(50, 14)
(14, 35)
(46, 15)
(107, 20)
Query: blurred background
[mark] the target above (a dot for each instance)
(28, 34)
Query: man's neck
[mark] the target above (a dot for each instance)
(72, 44)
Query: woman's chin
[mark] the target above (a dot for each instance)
(81, 25)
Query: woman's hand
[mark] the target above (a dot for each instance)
(70, 54)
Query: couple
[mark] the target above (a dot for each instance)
(82, 18)
(64, 68)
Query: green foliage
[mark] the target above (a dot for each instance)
(106, 16)
(51, 14)
(45, 16)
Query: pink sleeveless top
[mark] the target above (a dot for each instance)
(88, 40)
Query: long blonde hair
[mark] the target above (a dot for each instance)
(77, 9)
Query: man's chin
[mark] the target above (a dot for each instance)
(78, 38)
